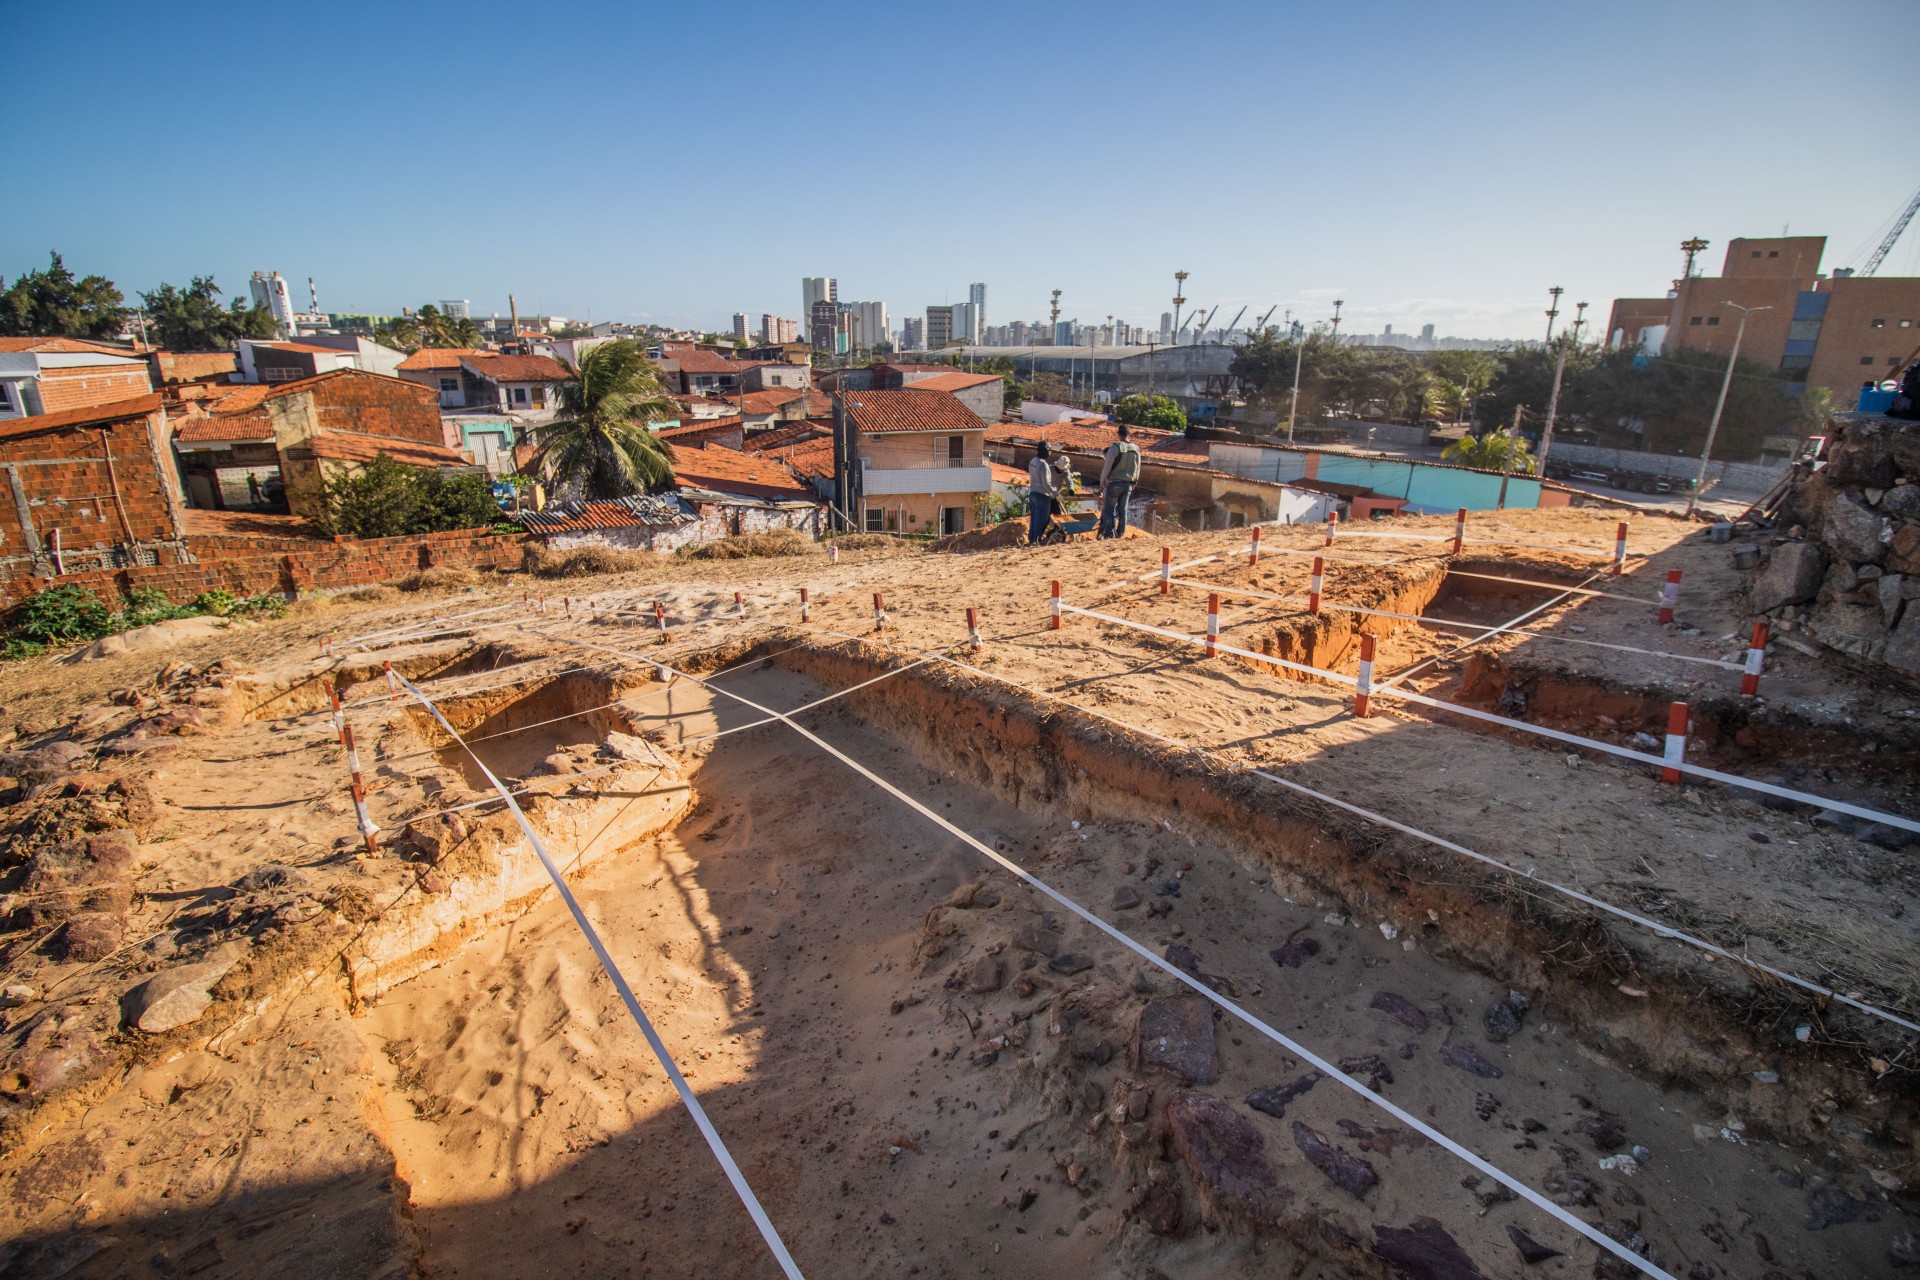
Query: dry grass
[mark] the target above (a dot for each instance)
(777, 542)
(439, 580)
(587, 562)
(875, 542)
(370, 595)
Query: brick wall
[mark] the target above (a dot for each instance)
(373, 407)
(63, 479)
(256, 565)
(88, 385)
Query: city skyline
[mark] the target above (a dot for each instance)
(1464, 229)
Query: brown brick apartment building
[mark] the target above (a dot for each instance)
(1818, 330)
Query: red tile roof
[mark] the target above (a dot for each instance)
(428, 358)
(642, 511)
(248, 398)
(1179, 445)
(342, 447)
(1004, 474)
(881, 411)
(688, 430)
(303, 347)
(698, 360)
(951, 382)
(729, 471)
(227, 427)
(792, 433)
(1081, 436)
(809, 459)
(768, 401)
(517, 368)
(66, 345)
(137, 407)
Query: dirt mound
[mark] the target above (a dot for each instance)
(993, 537)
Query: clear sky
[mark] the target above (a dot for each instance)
(1427, 163)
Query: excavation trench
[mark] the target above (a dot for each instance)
(867, 1005)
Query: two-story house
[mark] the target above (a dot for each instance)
(908, 462)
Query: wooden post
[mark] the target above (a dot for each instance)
(1253, 548)
(1053, 607)
(367, 829)
(1459, 529)
(1166, 571)
(1333, 519)
(1620, 549)
(879, 613)
(806, 606)
(973, 630)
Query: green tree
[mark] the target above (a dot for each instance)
(1331, 372)
(55, 304)
(388, 499)
(1525, 378)
(1489, 453)
(192, 319)
(1459, 377)
(599, 445)
(1151, 411)
(428, 326)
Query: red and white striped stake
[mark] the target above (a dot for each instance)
(973, 630)
(879, 613)
(740, 603)
(806, 606)
(1166, 571)
(1253, 548)
(1619, 549)
(833, 553)
(1756, 658)
(1053, 607)
(1676, 741)
(393, 682)
(1459, 529)
(339, 716)
(1333, 518)
(660, 616)
(1363, 691)
(1319, 579)
(1669, 595)
(1213, 623)
(367, 829)
(326, 646)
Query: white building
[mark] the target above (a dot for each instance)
(977, 299)
(456, 308)
(869, 325)
(269, 289)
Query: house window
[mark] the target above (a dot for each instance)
(1866, 359)
(279, 374)
(1771, 253)
(1879, 324)
(956, 451)
(1713, 320)
(6, 397)
(539, 397)
(449, 384)
(1695, 320)
(519, 395)
(876, 520)
(1906, 324)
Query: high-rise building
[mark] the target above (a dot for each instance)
(1166, 327)
(1426, 334)
(977, 299)
(1063, 333)
(939, 327)
(869, 325)
(813, 290)
(827, 326)
(913, 333)
(269, 289)
(779, 329)
(740, 326)
(456, 308)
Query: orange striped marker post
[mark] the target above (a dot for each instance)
(326, 646)
(1053, 607)
(740, 603)
(879, 613)
(1333, 519)
(973, 630)
(1363, 691)
(806, 606)
(833, 553)
(1619, 549)
(1213, 623)
(1313, 588)
(1166, 571)
(393, 681)
(1756, 659)
(1676, 741)
(1669, 595)
(339, 716)
(1253, 548)
(1459, 529)
(367, 829)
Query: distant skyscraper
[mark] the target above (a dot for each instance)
(977, 299)
(1063, 333)
(869, 325)
(1386, 331)
(913, 333)
(456, 309)
(816, 289)
(1426, 333)
(740, 325)
(788, 329)
(939, 327)
(1166, 327)
(827, 327)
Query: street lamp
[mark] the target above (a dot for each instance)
(1713, 427)
(1299, 348)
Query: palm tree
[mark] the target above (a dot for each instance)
(599, 444)
(1489, 453)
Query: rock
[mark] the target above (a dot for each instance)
(1370, 1066)
(1070, 962)
(1605, 1131)
(1160, 1209)
(1187, 960)
(15, 995)
(1531, 1250)
(1273, 1102)
(1176, 1035)
(272, 875)
(1903, 501)
(1225, 1154)
(1503, 1017)
(174, 997)
(1903, 553)
(984, 975)
(1903, 646)
(1791, 577)
(1829, 1206)
(160, 635)
(1348, 1172)
(1469, 1059)
(92, 935)
(1424, 1251)
(1126, 898)
(1400, 1009)
(1892, 598)
(1840, 578)
(1088, 1045)
(1038, 940)
(1295, 954)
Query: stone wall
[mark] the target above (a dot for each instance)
(1849, 572)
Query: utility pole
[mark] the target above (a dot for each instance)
(1179, 301)
(1299, 349)
(1337, 304)
(1553, 310)
(1579, 318)
(1513, 443)
(1713, 427)
(1553, 406)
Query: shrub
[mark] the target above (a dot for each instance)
(219, 602)
(13, 649)
(388, 499)
(586, 562)
(146, 606)
(776, 542)
(58, 615)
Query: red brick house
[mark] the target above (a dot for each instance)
(50, 375)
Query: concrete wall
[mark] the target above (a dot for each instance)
(1427, 488)
(1735, 477)
(715, 522)
(919, 512)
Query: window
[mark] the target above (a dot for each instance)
(876, 519)
(1879, 324)
(1866, 359)
(1756, 253)
(280, 374)
(1713, 320)
(1695, 320)
(519, 395)
(956, 451)
(449, 384)
(1771, 253)
(6, 397)
(1906, 324)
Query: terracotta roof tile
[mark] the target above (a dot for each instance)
(67, 346)
(810, 459)
(687, 431)
(428, 358)
(792, 433)
(699, 360)
(137, 407)
(882, 411)
(641, 511)
(517, 368)
(768, 401)
(342, 447)
(730, 471)
(1081, 436)
(235, 427)
(951, 382)
(306, 348)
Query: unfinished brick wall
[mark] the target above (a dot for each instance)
(59, 480)
(88, 385)
(373, 407)
(253, 566)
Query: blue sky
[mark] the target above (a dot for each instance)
(1426, 163)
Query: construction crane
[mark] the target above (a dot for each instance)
(1262, 326)
(1228, 333)
(1886, 246)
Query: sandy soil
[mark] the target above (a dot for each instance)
(497, 1115)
